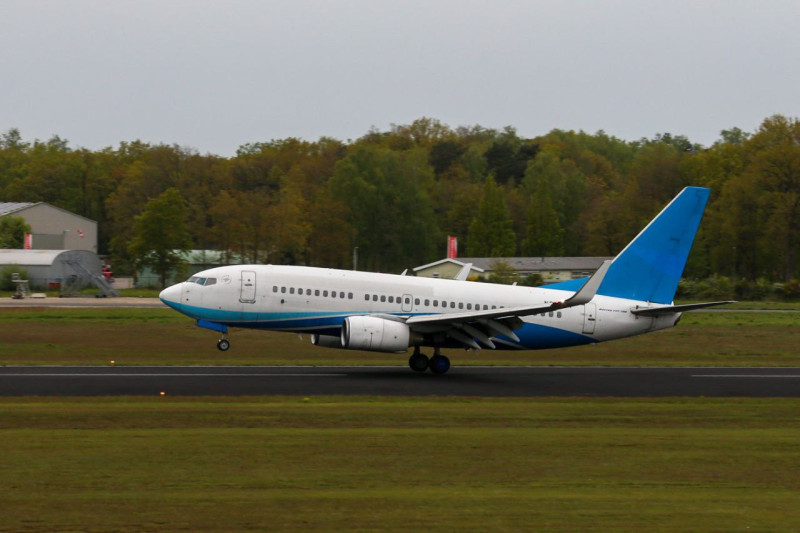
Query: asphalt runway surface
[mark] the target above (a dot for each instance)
(399, 381)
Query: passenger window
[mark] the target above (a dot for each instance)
(383, 298)
(274, 288)
(416, 301)
(551, 314)
(436, 303)
(283, 290)
(333, 294)
(341, 295)
(349, 295)
(427, 302)
(408, 300)
(374, 297)
(452, 305)
(366, 297)
(469, 306)
(391, 299)
(558, 315)
(325, 294)
(291, 290)
(444, 304)
(316, 292)
(461, 305)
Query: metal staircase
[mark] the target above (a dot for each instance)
(84, 276)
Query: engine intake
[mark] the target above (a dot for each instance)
(375, 334)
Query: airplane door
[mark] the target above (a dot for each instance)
(589, 317)
(248, 290)
(407, 302)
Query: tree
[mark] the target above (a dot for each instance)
(545, 235)
(12, 232)
(160, 234)
(491, 233)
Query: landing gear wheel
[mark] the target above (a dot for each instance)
(223, 345)
(418, 362)
(439, 364)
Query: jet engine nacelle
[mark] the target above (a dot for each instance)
(375, 334)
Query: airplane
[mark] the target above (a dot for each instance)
(629, 295)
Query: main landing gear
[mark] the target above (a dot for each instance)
(419, 362)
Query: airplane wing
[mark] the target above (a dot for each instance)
(485, 324)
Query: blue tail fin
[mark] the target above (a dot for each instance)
(650, 267)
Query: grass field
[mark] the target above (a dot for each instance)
(393, 464)
(162, 336)
(378, 464)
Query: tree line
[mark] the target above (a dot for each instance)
(396, 194)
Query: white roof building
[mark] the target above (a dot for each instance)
(551, 269)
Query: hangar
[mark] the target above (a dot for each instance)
(67, 270)
(54, 228)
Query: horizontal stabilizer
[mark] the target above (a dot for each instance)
(658, 311)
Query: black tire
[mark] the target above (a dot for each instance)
(418, 362)
(439, 364)
(223, 345)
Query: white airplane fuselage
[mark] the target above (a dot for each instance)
(317, 300)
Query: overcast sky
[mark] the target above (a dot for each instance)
(215, 75)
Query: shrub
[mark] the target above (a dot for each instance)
(5, 276)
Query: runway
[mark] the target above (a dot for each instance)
(399, 381)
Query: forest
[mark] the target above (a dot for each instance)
(396, 194)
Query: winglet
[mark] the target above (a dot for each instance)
(463, 274)
(589, 289)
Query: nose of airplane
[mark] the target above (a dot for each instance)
(171, 295)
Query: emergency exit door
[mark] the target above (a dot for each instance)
(589, 317)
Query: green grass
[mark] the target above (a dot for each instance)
(379, 464)
(161, 336)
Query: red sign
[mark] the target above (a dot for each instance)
(28, 241)
(452, 246)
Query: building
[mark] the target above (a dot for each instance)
(65, 270)
(551, 269)
(195, 261)
(54, 228)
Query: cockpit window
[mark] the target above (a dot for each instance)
(202, 281)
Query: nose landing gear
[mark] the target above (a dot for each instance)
(223, 344)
